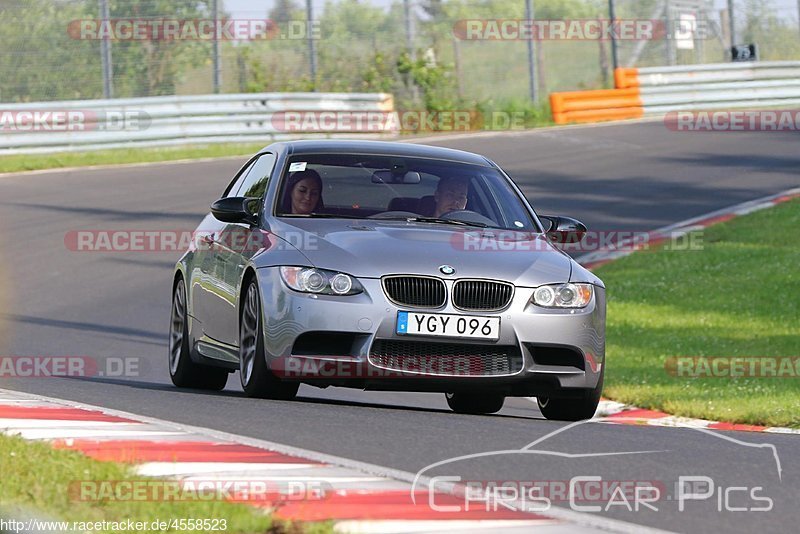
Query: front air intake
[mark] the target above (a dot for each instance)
(482, 295)
(415, 291)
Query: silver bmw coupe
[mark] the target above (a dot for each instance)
(387, 266)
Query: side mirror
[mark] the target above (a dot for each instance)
(235, 210)
(564, 229)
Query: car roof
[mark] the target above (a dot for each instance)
(318, 146)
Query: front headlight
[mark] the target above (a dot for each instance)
(563, 295)
(320, 281)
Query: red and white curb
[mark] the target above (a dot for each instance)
(615, 412)
(673, 231)
(359, 497)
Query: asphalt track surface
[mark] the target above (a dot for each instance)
(621, 177)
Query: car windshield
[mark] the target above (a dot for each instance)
(426, 191)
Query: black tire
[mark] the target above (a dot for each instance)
(257, 379)
(573, 409)
(182, 370)
(475, 403)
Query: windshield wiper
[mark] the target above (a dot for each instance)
(447, 221)
(408, 219)
(322, 216)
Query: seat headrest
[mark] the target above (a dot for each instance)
(404, 204)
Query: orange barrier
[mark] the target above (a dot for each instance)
(601, 99)
(599, 115)
(624, 102)
(626, 78)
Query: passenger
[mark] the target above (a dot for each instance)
(303, 193)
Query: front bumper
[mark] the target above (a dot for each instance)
(326, 340)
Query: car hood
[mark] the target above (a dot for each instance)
(371, 249)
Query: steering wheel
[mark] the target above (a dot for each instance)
(393, 215)
(467, 216)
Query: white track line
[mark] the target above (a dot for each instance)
(166, 469)
(79, 433)
(387, 526)
(14, 423)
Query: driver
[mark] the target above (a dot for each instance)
(450, 195)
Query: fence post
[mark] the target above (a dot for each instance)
(669, 36)
(412, 54)
(312, 50)
(529, 14)
(603, 62)
(612, 15)
(457, 63)
(732, 23)
(215, 48)
(105, 55)
(409, 28)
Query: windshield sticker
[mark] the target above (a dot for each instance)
(297, 166)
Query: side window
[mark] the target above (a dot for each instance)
(233, 187)
(255, 183)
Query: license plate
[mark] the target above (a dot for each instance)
(445, 325)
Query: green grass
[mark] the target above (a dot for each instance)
(31, 162)
(36, 478)
(738, 296)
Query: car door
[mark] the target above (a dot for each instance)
(202, 280)
(233, 248)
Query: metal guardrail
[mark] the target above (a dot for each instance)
(718, 72)
(76, 125)
(654, 91)
(728, 85)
